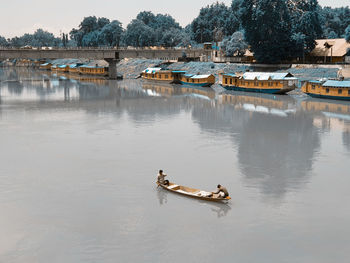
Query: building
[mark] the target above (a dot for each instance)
(330, 51)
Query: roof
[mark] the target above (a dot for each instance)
(152, 70)
(200, 76)
(330, 47)
(188, 75)
(337, 83)
(62, 66)
(267, 75)
(179, 71)
(230, 74)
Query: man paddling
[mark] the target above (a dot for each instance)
(221, 191)
(161, 177)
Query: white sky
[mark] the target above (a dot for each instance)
(24, 16)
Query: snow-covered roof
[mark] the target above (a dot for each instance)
(337, 83)
(266, 75)
(152, 70)
(200, 76)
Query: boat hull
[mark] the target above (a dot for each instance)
(256, 90)
(207, 84)
(328, 97)
(210, 199)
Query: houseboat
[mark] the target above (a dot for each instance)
(329, 89)
(262, 82)
(54, 67)
(45, 66)
(163, 75)
(74, 68)
(63, 68)
(198, 80)
(93, 70)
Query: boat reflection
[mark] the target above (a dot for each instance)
(263, 103)
(167, 90)
(330, 115)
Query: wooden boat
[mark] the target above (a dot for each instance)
(162, 75)
(198, 80)
(45, 66)
(330, 89)
(193, 193)
(93, 70)
(261, 82)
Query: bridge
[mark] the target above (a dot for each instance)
(112, 56)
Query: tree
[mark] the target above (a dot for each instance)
(110, 34)
(334, 19)
(305, 22)
(212, 19)
(172, 37)
(3, 42)
(42, 38)
(91, 39)
(152, 30)
(138, 34)
(332, 35)
(267, 26)
(347, 34)
(234, 45)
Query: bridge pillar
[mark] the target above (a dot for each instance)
(112, 70)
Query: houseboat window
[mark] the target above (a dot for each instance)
(261, 84)
(313, 86)
(231, 82)
(348, 91)
(225, 80)
(166, 76)
(327, 90)
(276, 83)
(340, 91)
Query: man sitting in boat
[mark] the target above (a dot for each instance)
(221, 191)
(161, 178)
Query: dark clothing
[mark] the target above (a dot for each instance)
(222, 189)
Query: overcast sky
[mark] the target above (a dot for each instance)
(18, 17)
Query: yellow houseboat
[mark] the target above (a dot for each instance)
(63, 68)
(45, 66)
(198, 80)
(262, 82)
(74, 68)
(54, 68)
(93, 70)
(330, 89)
(163, 75)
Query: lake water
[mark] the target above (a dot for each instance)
(79, 159)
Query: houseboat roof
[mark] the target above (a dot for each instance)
(266, 75)
(45, 64)
(179, 71)
(89, 66)
(188, 75)
(152, 70)
(200, 76)
(337, 83)
(62, 66)
(315, 81)
(230, 74)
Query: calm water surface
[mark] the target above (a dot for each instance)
(79, 157)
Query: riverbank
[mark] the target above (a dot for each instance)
(132, 68)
